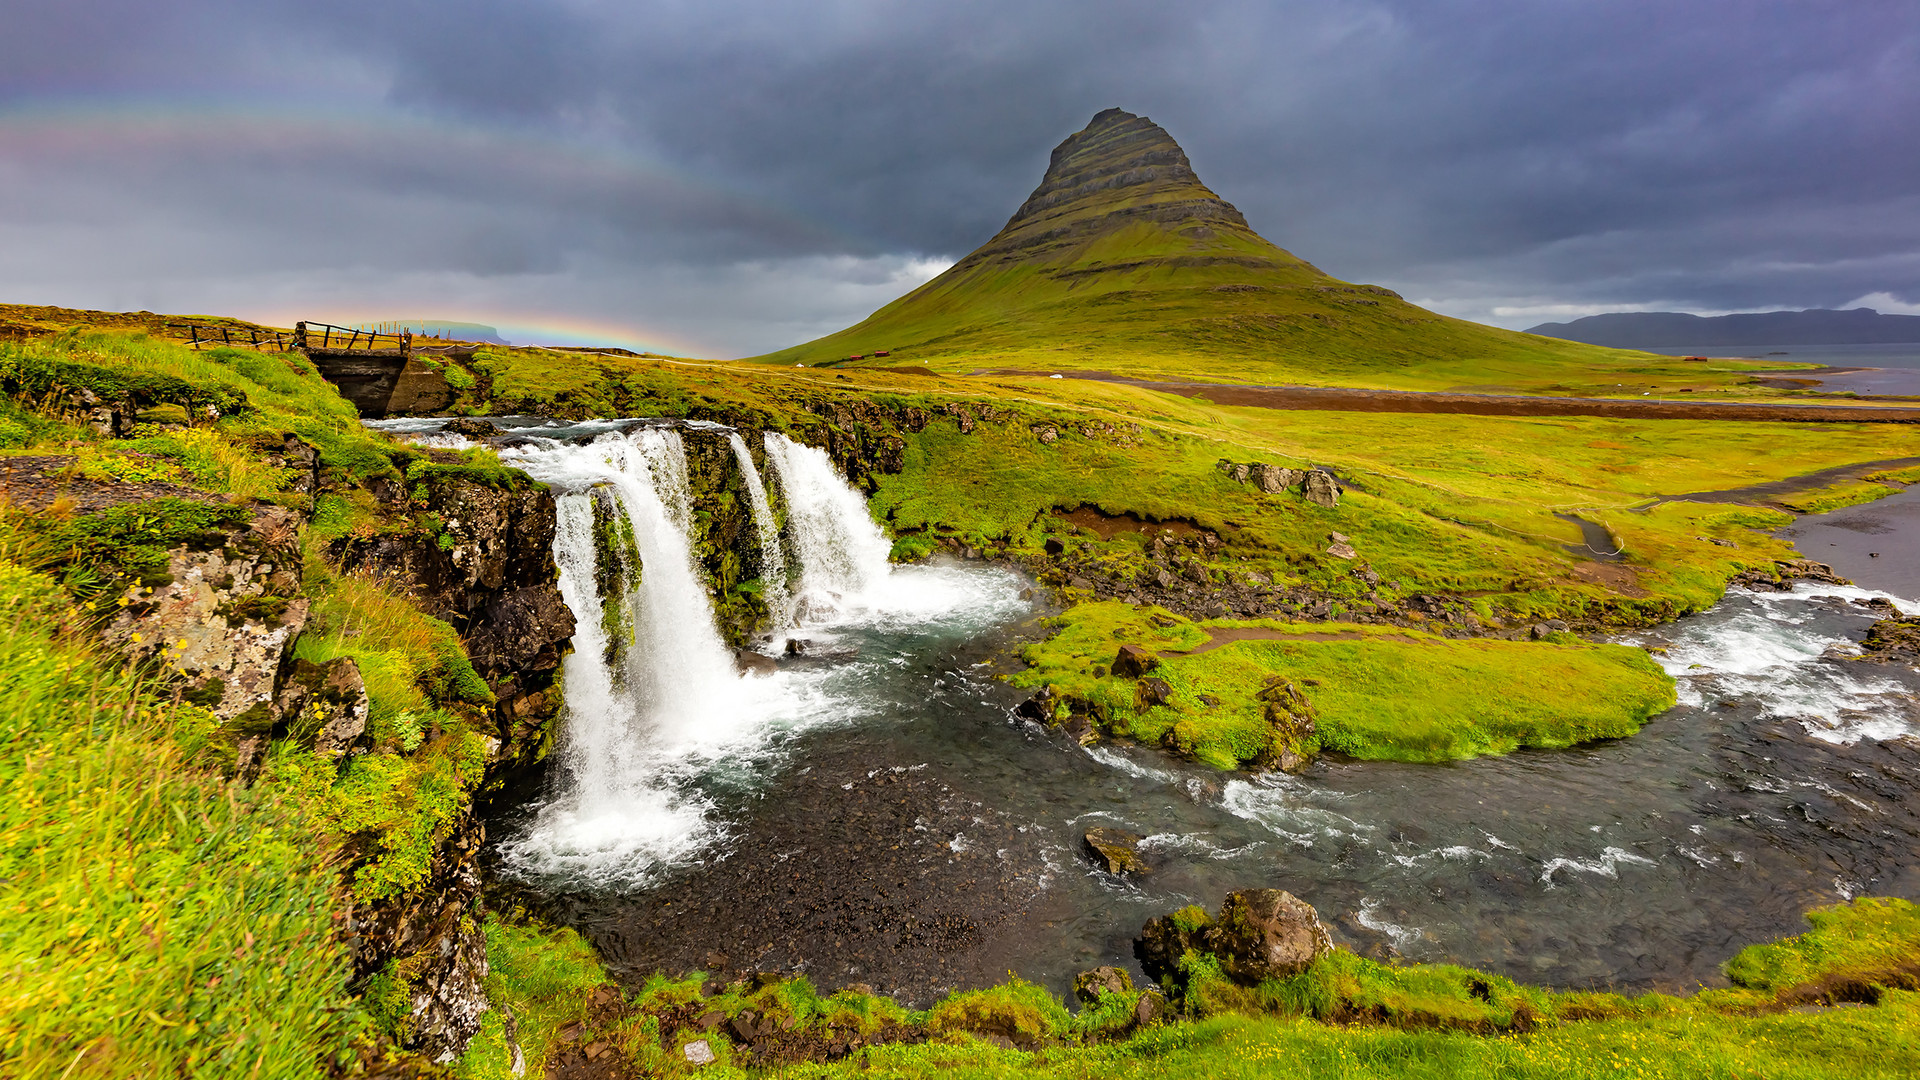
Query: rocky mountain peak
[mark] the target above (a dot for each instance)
(1118, 170)
(1117, 153)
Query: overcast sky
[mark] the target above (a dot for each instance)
(723, 178)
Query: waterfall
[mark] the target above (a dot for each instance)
(773, 558)
(673, 698)
(842, 553)
(656, 708)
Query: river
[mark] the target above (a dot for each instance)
(876, 812)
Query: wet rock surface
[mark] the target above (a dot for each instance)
(1894, 640)
(856, 872)
(1116, 851)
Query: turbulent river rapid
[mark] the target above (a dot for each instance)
(875, 812)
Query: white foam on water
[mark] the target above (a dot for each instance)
(1771, 652)
(1607, 865)
(1280, 803)
(1401, 937)
(422, 431)
(1120, 762)
(1194, 844)
(404, 425)
(1454, 853)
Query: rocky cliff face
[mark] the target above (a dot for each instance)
(485, 565)
(724, 539)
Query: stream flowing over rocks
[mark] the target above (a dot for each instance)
(839, 786)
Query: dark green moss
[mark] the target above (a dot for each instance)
(131, 541)
(423, 474)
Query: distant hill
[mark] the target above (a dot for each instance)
(1817, 326)
(440, 328)
(1122, 259)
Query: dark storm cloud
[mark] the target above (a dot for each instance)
(1497, 159)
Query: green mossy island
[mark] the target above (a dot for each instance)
(1375, 692)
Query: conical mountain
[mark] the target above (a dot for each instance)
(1123, 260)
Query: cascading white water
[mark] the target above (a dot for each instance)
(843, 554)
(670, 699)
(1773, 651)
(648, 729)
(773, 557)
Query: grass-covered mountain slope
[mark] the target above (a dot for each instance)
(1122, 260)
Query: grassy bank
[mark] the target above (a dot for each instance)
(1826, 1004)
(157, 914)
(154, 916)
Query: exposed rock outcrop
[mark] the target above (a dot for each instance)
(487, 569)
(1317, 485)
(432, 938)
(1132, 661)
(1784, 572)
(1120, 170)
(325, 705)
(1321, 489)
(223, 620)
(1091, 986)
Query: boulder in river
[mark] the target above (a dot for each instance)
(1892, 641)
(1259, 934)
(1267, 934)
(1116, 851)
(748, 662)
(471, 427)
(1091, 986)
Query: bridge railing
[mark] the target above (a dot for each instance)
(237, 337)
(330, 338)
